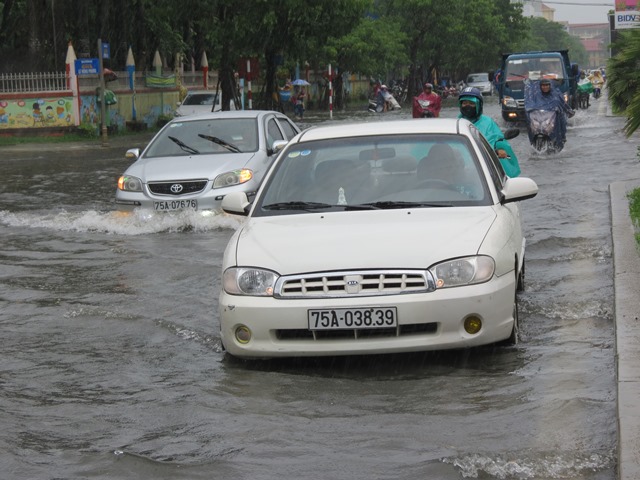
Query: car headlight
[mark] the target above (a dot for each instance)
(233, 178)
(463, 271)
(509, 102)
(129, 184)
(249, 281)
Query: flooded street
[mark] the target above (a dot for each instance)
(111, 364)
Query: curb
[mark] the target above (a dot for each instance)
(626, 261)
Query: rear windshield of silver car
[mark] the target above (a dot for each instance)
(377, 172)
(205, 137)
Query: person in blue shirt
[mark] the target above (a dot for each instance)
(471, 102)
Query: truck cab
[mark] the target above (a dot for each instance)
(517, 68)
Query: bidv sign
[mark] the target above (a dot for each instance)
(627, 14)
(627, 20)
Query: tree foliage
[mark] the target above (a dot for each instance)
(623, 83)
(415, 39)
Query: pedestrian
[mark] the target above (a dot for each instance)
(298, 108)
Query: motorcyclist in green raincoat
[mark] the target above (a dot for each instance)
(471, 102)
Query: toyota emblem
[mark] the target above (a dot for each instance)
(176, 188)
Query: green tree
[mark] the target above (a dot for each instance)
(623, 83)
(375, 48)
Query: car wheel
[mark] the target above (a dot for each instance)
(520, 281)
(513, 338)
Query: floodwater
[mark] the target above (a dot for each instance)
(111, 365)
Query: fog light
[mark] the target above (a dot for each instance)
(472, 325)
(513, 115)
(243, 334)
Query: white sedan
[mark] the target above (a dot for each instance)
(374, 238)
(194, 161)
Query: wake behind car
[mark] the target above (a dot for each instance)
(193, 162)
(376, 238)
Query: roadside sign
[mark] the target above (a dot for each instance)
(87, 66)
(627, 14)
(106, 50)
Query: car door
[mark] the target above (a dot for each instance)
(507, 230)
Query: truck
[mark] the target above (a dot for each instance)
(516, 68)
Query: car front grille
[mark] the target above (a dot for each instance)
(520, 103)
(361, 283)
(356, 334)
(178, 187)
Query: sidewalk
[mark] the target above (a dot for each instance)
(115, 146)
(626, 261)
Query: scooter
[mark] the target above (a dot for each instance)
(375, 107)
(422, 109)
(541, 125)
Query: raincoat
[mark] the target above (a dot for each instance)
(491, 131)
(534, 99)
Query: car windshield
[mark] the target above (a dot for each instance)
(517, 70)
(199, 99)
(370, 173)
(478, 77)
(207, 136)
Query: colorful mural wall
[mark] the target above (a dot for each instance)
(36, 112)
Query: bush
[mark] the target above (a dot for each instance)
(88, 130)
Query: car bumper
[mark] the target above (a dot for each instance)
(426, 321)
(208, 200)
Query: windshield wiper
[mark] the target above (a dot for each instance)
(229, 146)
(390, 205)
(296, 206)
(183, 145)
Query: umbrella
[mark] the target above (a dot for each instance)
(109, 75)
(299, 81)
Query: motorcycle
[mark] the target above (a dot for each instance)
(541, 126)
(422, 108)
(546, 115)
(375, 107)
(377, 104)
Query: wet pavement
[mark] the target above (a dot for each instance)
(112, 366)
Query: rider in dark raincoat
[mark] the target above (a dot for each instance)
(545, 95)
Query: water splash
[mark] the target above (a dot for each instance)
(138, 222)
(572, 465)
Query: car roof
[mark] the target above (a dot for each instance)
(230, 114)
(212, 92)
(342, 130)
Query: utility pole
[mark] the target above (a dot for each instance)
(103, 106)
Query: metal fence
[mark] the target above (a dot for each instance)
(33, 82)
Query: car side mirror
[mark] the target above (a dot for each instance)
(518, 188)
(132, 154)
(277, 146)
(511, 133)
(236, 203)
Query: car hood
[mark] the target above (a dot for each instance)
(417, 238)
(188, 166)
